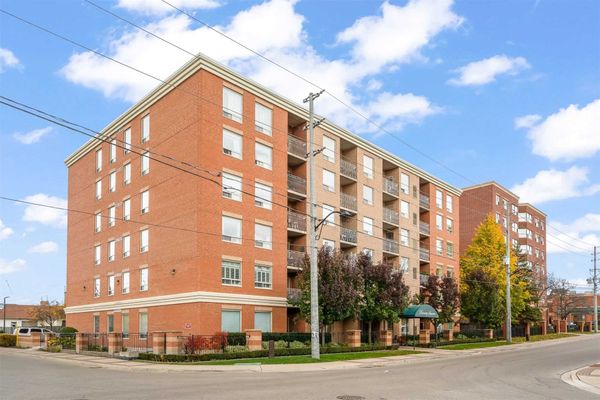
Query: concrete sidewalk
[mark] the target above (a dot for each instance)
(586, 378)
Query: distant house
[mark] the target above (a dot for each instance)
(20, 315)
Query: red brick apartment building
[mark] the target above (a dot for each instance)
(218, 250)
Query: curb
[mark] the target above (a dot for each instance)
(572, 379)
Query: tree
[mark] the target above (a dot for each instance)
(562, 298)
(48, 312)
(450, 299)
(534, 285)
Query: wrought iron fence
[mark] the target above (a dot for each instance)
(140, 342)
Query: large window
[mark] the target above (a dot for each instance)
(98, 160)
(262, 321)
(263, 156)
(126, 246)
(112, 182)
(126, 209)
(125, 325)
(231, 273)
(232, 105)
(97, 254)
(263, 118)
(127, 174)
(232, 186)
(143, 325)
(328, 180)
(111, 250)
(98, 190)
(263, 236)
(98, 223)
(439, 222)
(328, 215)
(97, 287)
(145, 128)
(145, 201)
(112, 215)
(125, 284)
(231, 229)
(232, 144)
(144, 240)
(368, 226)
(404, 183)
(113, 150)
(404, 237)
(127, 140)
(367, 195)
(450, 249)
(262, 277)
(145, 163)
(368, 166)
(329, 149)
(231, 321)
(263, 195)
(111, 285)
(144, 279)
(439, 199)
(439, 247)
(449, 205)
(404, 212)
(404, 264)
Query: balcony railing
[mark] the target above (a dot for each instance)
(347, 235)
(424, 201)
(296, 184)
(390, 216)
(348, 168)
(424, 228)
(423, 279)
(348, 202)
(296, 221)
(293, 294)
(423, 254)
(389, 186)
(295, 258)
(391, 246)
(296, 146)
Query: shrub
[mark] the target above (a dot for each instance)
(200, 343)
(67, 330)
(297, 345)
(7, 340)
(235, 349)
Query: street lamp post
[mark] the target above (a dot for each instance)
(4, 311)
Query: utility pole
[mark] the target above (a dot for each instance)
(595, 283)
(315, 350)
(4, 311)
(507, 262)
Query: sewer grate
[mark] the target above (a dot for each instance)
(349, 397)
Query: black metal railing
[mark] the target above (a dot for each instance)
(296, 184)
(140, 342)
(296, 146)
(296, 221)
(348, 201)
(347, 235)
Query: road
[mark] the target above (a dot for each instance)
(512, 373)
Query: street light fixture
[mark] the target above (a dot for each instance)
(323, 222)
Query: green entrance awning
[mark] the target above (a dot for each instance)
(420, 311)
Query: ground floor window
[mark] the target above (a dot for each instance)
(125, 325)
(110, 323)
(231, 321)
(143, 324)
(96, 324)
(262, 321)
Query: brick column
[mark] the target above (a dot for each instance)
(527, 329)
(81, 342)
(115, 342)
(424, 336)
(385, 337)
(544, 327)
(174, 342)
(47, 337)
(582, 326)
(254, 339)
(36, 339)
(448, 335)
(591, 324)
(159, 342)
(353, 338)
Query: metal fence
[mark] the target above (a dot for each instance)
(140, 342)
(95, 341)
(218, 343)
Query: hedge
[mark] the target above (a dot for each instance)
(253, 354)
(68, 330)
(7, 340)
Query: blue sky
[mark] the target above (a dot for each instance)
(496, 90)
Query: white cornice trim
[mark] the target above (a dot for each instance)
(180, 298)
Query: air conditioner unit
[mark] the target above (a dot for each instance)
(227, 238)
(227, 194)
(125, 254)
(227, 114)
(259, 243)
(144, 210)
(227, 151)
(258, 203)
(260, 128)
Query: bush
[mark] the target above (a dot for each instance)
(68, 330)
(235, 349)
(7, 340)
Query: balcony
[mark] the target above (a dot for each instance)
(297, 185)
(423, 255)
(347, 237)
(296, 223)
(295, 259)
(390, 187)
(390, 216)
(391, 246)
(348, 202)
(423, 279)
(293, 294)
(347, 172)
(296, 149)
(424, 228)
(424, 201)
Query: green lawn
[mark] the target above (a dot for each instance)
(539, 338)
(469, 346)
(308, 359)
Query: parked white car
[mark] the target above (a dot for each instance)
(26, 331)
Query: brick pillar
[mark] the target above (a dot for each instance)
(81, 342)
(353, 338)
(448, 335)
(424, 336)
(488, 333)
(115, 342)
(36, 339)
(527, 329)
(253, 339)
(47, 337)
(174, 342)
(159, 342)
(544, 327)
(385, 337)
(591, 325)
(582, 326)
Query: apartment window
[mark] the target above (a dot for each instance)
(97, 287)
(497, 200)
(112, 214)
(368, 195)
(329, 244)
(96, 324)
(127, 140)
(439, 247)
(368, 166)
(127, 174)
(515, 210)
(144, 279)
(328, 180)
(450, 272)
(450, 249)
(263, 195)
(543, 255)
(368, 226)
(449, 205)
(145, 128)
(368, 252)
(439, 199)
(125, 325)
(514, 227)
(144, 241)
(111, 250)
(263, 156)
(145, 163)
(231, 321)
(439, 271)
(126, 246)
(262, 277)
(143, 325)
(439, 222)
(329, 149)
(98, 222)
(232, 144)
(232, 105)
(404, 264)
(126, 209)
(111, 285)
(98, 160)
(263, 236)
(537, 253)
(404, 212)
(232, 186)
(231, 229)
(404, 183)
(112, 182)
(262, 321)
(515, 243)
(98, 190)
(145, 201)
(404, 237)
(231, 273)
(263, 118)
(328, 216)
(113, 150)
(497, 218)
(505, 204)
(449, 225)
(125, 284)
(97, 254)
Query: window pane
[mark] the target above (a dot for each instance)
(262, 321)
(145, 163)
(263, 236)
(232, 105)
(263, 156)
(327, 212)
(329, 180)
(404, 212)
(125, 286)
(368, 194)
(125, 325)
(145, 201)
(329, 151)
(126, 246)
(368, 166)
(143, 325)
(262, 276)
(232, 144)
(404, 183)
(230, 321)
(232, 187)
(99, 160)
(263, 195)
(144, 279)
(232, 229)
(127, 140)
(368, 225)
(113, 150)
(99, 190)
(144, 239)
(263, 118)
(126, 209)
(145, 128)
(127, 174)
(231, 273)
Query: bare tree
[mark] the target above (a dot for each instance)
(48, 312)
(562, 297)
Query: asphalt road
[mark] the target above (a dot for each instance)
(518, 373)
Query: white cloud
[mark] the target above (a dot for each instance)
(45, 215)
(577, 236)
(8, 60)
(400, 33)
(403, 107)
(6, 267)
(5, 231)
(33, 136)
(527, 121)
(569, 134)
(485, 71)
(157, 7)
(44, 247)
(548, 185)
